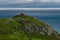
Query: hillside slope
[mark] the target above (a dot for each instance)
(25, 28)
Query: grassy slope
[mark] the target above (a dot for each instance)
(9, 30)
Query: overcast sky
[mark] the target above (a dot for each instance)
(28, 1)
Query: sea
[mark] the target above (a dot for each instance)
(51, 17)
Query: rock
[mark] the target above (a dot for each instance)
(28, 25)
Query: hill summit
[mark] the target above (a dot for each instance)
(23, 27)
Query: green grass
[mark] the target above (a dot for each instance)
(10, 29)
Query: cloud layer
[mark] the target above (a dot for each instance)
(27, 1)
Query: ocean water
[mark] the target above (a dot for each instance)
(51, 17)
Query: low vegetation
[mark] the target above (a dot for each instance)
(24, 28)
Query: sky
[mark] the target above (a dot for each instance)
(28, 1)
(25, 3)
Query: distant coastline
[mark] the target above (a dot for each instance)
(29, 8)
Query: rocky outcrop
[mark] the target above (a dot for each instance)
(31, 27)
(22, 27)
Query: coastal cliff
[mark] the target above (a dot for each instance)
(23, 27)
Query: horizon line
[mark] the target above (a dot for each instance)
(29, 8)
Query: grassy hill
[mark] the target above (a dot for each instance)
(25, 28)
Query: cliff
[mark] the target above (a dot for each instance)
(25, 28)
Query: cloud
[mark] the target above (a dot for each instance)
(16, 1)
(45, 0)
(27, 1)
(13, 1)
(30, 0)
(55, 1)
